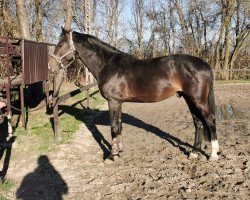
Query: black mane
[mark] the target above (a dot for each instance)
(95, 42)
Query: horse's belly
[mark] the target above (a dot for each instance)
(151, 95)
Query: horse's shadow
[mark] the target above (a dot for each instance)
(91, 118)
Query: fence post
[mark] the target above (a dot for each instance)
(87, 92)
(55, 112)
(8, 92)
(22, 105)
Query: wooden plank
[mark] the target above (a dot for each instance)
(231, 70)
(75, 92)
(15, 80)
(2, 51)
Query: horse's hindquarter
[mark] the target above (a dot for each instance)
(192, 74)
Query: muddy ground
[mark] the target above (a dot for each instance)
(154, 165)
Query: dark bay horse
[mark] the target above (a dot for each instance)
(124, 78)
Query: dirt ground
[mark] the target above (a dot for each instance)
(154, 165)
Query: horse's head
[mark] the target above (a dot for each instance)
(64, 53)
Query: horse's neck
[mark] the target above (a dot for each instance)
(96, 60)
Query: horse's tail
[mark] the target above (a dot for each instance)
(212, 107)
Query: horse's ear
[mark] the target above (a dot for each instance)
(63, 31)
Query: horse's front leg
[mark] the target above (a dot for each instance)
(115, 109)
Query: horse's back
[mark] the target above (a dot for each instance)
(185, 61)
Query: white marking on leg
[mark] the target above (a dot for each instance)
(9, 124)
(215, 149)
(120, 143)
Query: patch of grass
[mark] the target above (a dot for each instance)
(79, 96)
(40, 129)
(95, 97)
(5, 186)
(40, 124)
(98, 97)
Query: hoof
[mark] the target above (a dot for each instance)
(120, 148)
(213, 158)
(120, 154)
(111, 158)
(193, 155)
(9, 137)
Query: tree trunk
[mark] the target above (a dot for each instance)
(165, 33)
(139, 13)
(218, 47)
(184, 27)
(39, 17)
(229, 14)
(205, 24)
(172, 26)
(23, 19)
(8, 23)
(242, 34)
(108, 21)
(69, 14)
(245, 37)
(116, 21)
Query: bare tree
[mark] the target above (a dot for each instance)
(172, 26)
(163, 28)
(39, 20)
(183, 24)
(112, 9)
(152, 16)
(116, 22)
(8, 21)
(242, 31)
(69, 14)
(139, 16)
(23, 19)
(229, 6)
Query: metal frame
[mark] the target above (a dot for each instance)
(35, 59)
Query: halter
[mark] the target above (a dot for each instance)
(72, 49)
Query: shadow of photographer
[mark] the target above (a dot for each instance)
(43, 183)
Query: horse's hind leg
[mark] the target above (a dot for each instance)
(115, 109)
(209, 117)
(199, 128)
(198, 136)
(210, 120)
